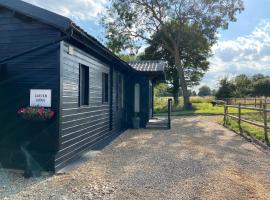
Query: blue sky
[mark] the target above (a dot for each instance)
(255, 11)
(243, 48)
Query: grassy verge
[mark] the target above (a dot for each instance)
(198, 108)
(251, 130)
(201, 106)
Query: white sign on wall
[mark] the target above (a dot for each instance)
(40, 98)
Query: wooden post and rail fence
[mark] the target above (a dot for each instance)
(254, 101)
(239, 118)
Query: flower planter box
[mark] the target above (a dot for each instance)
(36, 114)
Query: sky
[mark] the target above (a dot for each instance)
(243, 48)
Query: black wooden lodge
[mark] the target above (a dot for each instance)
(93, 91)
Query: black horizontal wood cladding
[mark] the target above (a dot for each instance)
(36, 70)
(25, 34)
(86, 127)
(82, 121)
(82, 128)
(69, 155)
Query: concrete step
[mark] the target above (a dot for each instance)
(157, 126)
(157, 123)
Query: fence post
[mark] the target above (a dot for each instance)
(255, 102)
(239, 118)
(169, 112)
(261, 106)
(265, 124)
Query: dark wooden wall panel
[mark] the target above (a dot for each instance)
(37, 70)
(144, 99)
(83, 127)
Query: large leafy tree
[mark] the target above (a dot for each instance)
(262, 87)
(129, 22)
(226, 89)
(242, 85)
(195, 53)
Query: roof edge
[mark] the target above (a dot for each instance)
(38, 13)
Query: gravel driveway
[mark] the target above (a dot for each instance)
(196, 159)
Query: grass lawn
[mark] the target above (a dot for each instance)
(198, 108)
(201, 105)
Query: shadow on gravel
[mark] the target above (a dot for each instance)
(181, 162)
(196, 159)
(12, 182)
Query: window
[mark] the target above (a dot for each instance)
(105, 88)
(84, 85)
(120, 91)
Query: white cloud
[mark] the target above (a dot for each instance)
(74, 9)
(249, 54)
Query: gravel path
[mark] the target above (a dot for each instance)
(196, 159)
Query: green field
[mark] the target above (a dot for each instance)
(201, 105)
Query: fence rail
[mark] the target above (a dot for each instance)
(240, 118)
(255, 101)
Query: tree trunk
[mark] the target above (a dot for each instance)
(176, 87)
(183, 83)
(175, 98)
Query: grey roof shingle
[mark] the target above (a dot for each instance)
(148, 65)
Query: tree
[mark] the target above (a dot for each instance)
(193, 93)
(226, 89)
(127, 58)
(162, 90)
(195, 56)
(256, 77)
(242, 86)
(154, 52)
(130, 22)
(213, 92)
(262, 87)
(204, 91)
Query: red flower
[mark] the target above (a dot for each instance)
(22, 110)
(41, 111)
(36, 114)
(51, 113)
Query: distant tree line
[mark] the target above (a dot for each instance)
(167, 90)
(244, 86)
(206, 91)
